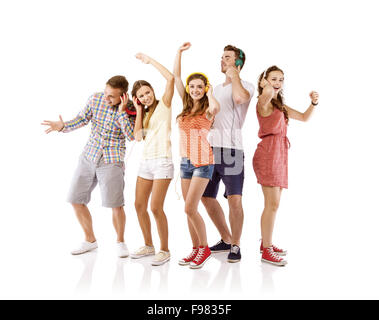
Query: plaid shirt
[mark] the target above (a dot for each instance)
(108, 131)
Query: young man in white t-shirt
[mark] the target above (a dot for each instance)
(234, 96)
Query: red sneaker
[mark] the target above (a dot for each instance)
(202, 256)
(270, 256)
(186, 261)
(278, 251)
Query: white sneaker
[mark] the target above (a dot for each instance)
(122, 250)
(143, 252)
(85, 247)
(160, 258)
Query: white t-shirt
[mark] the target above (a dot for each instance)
(226, 129)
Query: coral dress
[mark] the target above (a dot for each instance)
(270, 160)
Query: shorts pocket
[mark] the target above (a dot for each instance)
(166, 163)
(184, 161)
(120, 165)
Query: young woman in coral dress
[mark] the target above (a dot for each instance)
(270, 160)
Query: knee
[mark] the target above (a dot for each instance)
(118, 210)
(235, 205)
(140, 206)
(190, 210)
(272, 205)
(157, 210)
(209, 204)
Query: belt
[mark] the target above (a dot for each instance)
(287, 141)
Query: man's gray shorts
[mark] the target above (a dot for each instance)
(111, 181)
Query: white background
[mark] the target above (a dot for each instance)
(55, 54)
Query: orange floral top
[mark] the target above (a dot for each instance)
(194, 144)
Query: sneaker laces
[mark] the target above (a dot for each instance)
(273, 254)
(140, 250)
(218, 243)
(200, 255)
(192, 254)
(143, 249)
(234, 249)
(160, 255)
(276, 248)
(86, 244)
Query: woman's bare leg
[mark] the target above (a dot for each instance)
(272, 200)
(143, 191)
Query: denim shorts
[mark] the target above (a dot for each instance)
(229, 168)
(188, 170)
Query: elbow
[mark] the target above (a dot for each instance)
(304, 117)
(241, 100)
(171, 78)
(213, 111)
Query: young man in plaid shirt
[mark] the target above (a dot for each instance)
(102, 159)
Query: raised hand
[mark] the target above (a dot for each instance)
(139, 107)
(124, 101)
(263, 83)
(314, 97)
(185, 46)
(233, 72)
(143, 57)
(54, 125)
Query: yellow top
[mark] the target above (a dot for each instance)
(157, 138)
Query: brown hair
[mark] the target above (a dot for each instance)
(188, 103)
(138, 85)
(119, 82)
(237, 52)
(279, 102)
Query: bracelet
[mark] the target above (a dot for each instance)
(315, 104)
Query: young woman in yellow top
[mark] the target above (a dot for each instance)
(153, 125)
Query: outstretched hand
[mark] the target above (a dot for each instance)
(53, 125)
(185, 46)
(143, 57)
